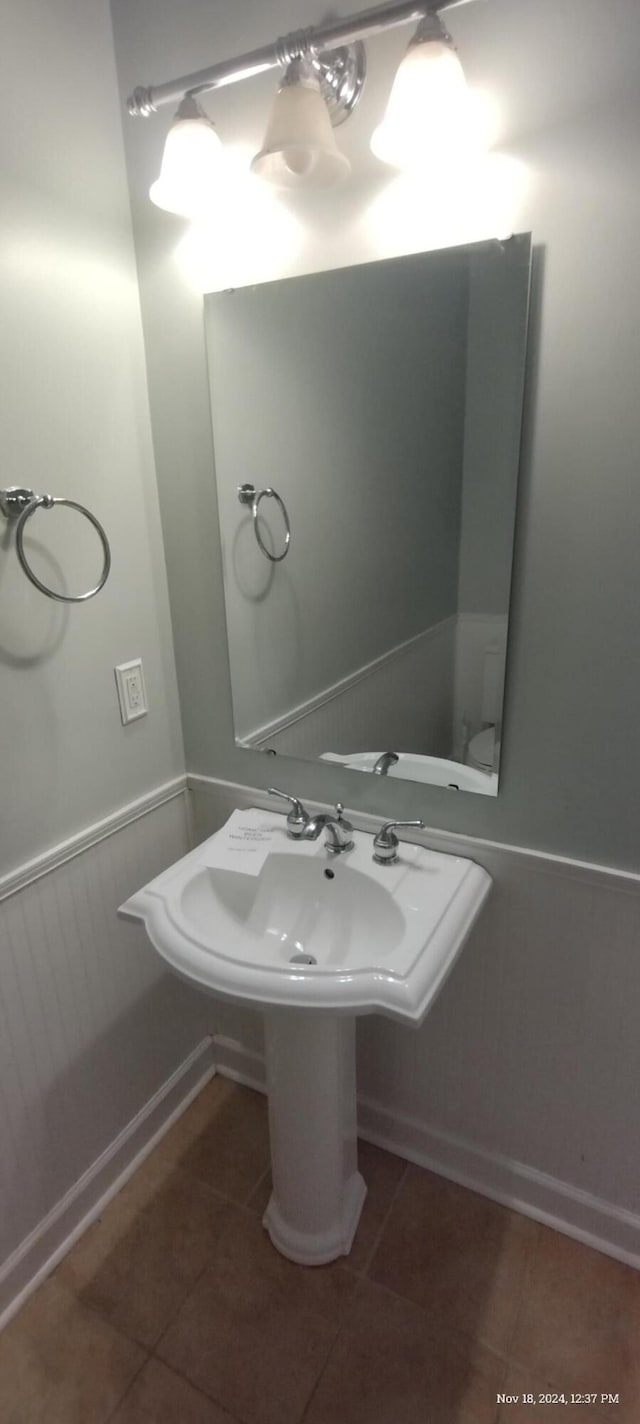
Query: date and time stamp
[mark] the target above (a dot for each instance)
(551, 1397)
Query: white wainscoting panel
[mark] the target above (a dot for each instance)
(523, 1081)
(93, 1032)
(402, 701)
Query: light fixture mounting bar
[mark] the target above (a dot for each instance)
(323, 37)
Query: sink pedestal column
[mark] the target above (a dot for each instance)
(318, 1192)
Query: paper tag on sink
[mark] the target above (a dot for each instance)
(243, 844)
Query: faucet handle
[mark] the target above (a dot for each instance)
(298, 818)
(385, 845)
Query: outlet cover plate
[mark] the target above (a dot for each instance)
(132, 694)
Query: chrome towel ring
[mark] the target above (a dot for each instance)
(248, 494)
(20, 504)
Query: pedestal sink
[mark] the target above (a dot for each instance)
(257, 918)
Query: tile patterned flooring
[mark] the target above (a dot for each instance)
(174, 1308)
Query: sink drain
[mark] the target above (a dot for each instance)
(302, 959)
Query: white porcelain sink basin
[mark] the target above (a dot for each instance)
(434, 771)
(312, 931)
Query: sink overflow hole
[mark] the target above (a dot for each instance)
(329, 874)
(302, 959)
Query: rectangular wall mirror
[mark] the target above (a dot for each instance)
(378, 410)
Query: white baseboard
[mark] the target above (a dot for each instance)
(41, 1251)
(565, 1208)
(234, 1061)
(597, 1223)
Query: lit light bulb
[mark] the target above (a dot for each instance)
(191, 163)
(299, 148)
(429, 113)
(298, 161)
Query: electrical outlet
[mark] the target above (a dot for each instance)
(132, 694)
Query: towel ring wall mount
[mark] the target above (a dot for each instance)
(18, 503)
(249, 495)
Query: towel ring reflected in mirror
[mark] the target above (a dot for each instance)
(248, 494)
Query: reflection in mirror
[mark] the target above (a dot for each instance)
(383, 404)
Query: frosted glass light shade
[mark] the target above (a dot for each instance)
(428, 115)
(191, 163)
(299, 148)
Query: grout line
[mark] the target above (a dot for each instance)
(89, 1309)
(109, 1417)
(225, 1200)
(526, 1275)
(210, 1398)
(165, 1329)
(330, 1351)
(504, 1354)
(436, 1331)
(256, 1186)
(323, 1371)
(150, 1350)
(175, 1313)
(369, 1261)
(250, 1215)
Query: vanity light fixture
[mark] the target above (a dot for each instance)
(428, 115)
(325, 69)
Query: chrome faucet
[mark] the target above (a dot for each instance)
(303, 827)
(384, 762)
(338, 832)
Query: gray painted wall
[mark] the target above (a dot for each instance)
(566, 81)
(91, 1024)
(498, 292)
(75, 423)
(346, 391)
